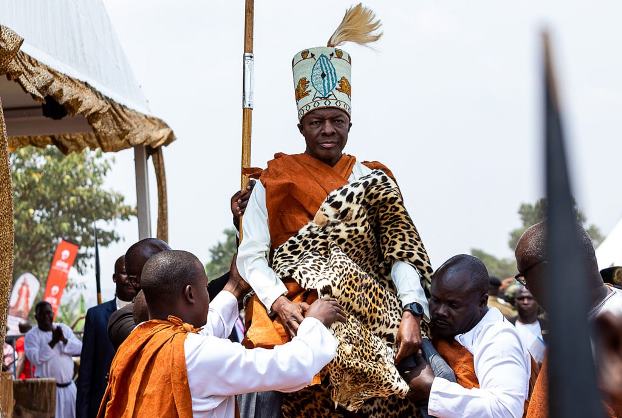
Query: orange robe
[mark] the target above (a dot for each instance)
(148, 376)
(296, 186)
(539, 402)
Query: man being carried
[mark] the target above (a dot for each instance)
(293, 187)
(492, 367)
(50, 348)
(171, 366)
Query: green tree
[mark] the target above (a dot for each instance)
(498, 267)
(530, 214)
(221, 255)
(57, 196)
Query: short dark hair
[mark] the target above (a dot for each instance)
(479, 273)
(40, 304)
(494, 281)
(167, 273)
(149, 245)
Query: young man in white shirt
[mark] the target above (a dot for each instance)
(171, 367)
(499, 364)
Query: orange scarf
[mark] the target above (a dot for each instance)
(461, 362)
(539, 401)
(148, 376)
(296, 186)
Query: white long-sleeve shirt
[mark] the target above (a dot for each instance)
(502, 367)
(252, 260)
(54, 362)
(218, 369)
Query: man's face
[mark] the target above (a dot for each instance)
(326, 133)
(534, 276)
(455, 307)
(44, 316)
(525, 303)
(124, 288)
(134, 267)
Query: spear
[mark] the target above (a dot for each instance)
(247, 94)
(571, 367)
(97, 269)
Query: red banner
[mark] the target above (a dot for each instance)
(64, 256)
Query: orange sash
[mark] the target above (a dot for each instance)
(461, 362)
(148, 376)
(296, 186)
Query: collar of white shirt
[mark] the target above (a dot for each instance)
(469, 338)
(121, 303)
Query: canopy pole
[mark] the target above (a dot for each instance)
(247, 94)
(142, 192)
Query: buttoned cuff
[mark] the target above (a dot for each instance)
(268, 296)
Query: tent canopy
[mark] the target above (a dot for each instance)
(609, 252)
(66, 53)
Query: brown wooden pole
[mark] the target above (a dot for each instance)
(247, 100)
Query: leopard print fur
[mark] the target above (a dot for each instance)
(347, 252)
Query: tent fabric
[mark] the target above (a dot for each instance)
(115, 126)
(6, 229)
(77, 39)
(609, 252)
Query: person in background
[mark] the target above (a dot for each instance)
(529, 326)
(50, 348)
(491, 364)
(25, 369)
(496, 301)
(97, 350)
(124, 320)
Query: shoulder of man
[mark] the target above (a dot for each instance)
(377, 165)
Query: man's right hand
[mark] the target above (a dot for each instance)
(291, 314)
(327, 311)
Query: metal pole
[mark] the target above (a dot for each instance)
(142, 192)
(247, 94)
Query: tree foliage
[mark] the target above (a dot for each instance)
(57, 196)
(530, 214)
(498, 267)
(221, 255)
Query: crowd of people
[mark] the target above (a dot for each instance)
(260, 342)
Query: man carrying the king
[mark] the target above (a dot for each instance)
(291, 190)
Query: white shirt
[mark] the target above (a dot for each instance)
(121, 303)
(52, 362)
(531, 336)
(218, 369)
(502, 367)
(252, 261)
(611, 303)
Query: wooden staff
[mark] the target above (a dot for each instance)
(247, 94)
(97, 269)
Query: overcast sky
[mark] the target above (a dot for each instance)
(449, 99)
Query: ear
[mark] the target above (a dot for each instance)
(349, 126)
(188, 295)
(483, 300)
(300, 128)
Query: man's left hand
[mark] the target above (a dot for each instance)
(408, 340)
(419, 379)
